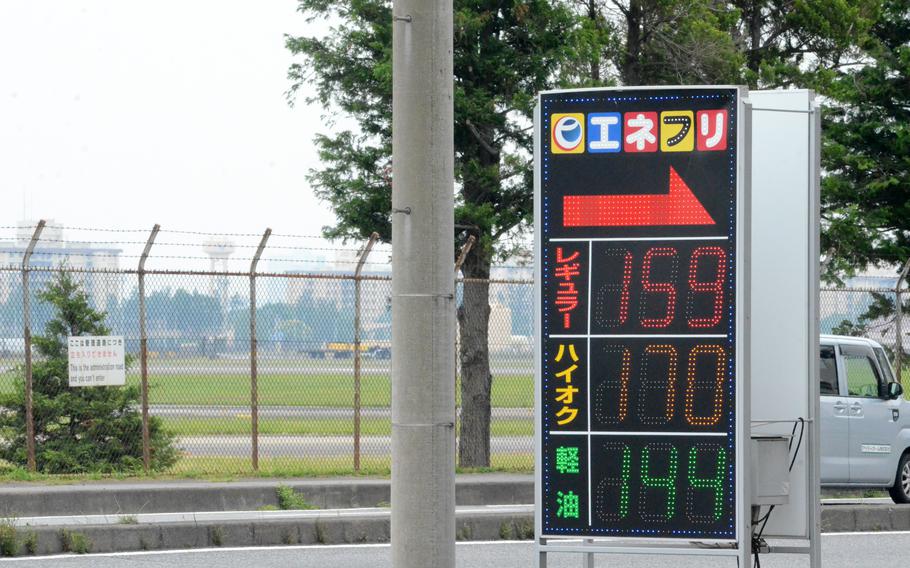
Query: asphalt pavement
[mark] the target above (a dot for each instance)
(850, 550)
(300, 367)
(280, 446)
(303, 412)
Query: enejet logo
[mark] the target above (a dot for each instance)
(567, 133)
(639, 131)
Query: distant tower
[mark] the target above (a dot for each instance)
(219, 251)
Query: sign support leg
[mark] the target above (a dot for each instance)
(588, 561)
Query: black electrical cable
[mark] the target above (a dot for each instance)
(802, 428)
(756, 538)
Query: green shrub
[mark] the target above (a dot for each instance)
(290, 500)
(75, 542)
(31, 542)
(217, 535)
(9, 537)
(79, 430)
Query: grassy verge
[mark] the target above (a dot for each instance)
(232, 469)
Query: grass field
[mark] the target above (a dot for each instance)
(323, 390)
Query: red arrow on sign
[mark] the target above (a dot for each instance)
(678, 207)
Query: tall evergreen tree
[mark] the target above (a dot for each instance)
(77, 430)
(761, 43)
(866, 151)
(504, 53)
(507, 51)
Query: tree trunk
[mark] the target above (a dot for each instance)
(594, 16)
(476, 380)
(631, 63)
(755, 23)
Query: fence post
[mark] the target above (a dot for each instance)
(462, 254)
(27, 339)
(254, 379)
(363, 258)
(898, 323)
(144, 353)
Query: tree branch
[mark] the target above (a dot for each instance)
(483, 142)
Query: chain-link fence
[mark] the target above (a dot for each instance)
(878, 313)
(311, 394)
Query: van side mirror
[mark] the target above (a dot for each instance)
(895, 390)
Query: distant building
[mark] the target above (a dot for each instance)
(52, 251)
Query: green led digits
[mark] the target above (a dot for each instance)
(715, 484)
(650, 482)
(606, 489)
(624, 483)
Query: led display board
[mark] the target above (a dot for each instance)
(637, 307)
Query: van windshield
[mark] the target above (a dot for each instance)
(884, 364)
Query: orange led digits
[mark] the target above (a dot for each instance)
(720, 363)
(647, 384)
(659, 287)
(603, 396)
(715, 286)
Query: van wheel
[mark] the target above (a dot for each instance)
(900, 492)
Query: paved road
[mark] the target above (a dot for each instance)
(312, 412)
(302, 367)
(319, 446)
(838, 551)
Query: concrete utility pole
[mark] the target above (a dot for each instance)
(423, 290)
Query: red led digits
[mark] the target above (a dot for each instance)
(659, 287)
(715, 286)
(601, 304)
(720, 363)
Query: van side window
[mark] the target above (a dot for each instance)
(862, 375)
(827, 371)
(884, 364)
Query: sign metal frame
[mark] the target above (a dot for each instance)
(740, 546)
(795, 527)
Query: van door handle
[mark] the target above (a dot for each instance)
(840, 408)
(856, 409)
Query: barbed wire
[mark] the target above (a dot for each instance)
(209, 234)
(182, 257)
(172, 231)
(198, 245)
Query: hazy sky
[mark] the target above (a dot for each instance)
(120, 113)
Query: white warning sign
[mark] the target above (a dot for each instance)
(96, 361)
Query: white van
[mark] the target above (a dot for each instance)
(865, 421)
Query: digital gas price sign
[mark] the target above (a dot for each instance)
(637, 202)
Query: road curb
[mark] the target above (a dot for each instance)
(865, 518)
(192, 496)
(364, 529)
